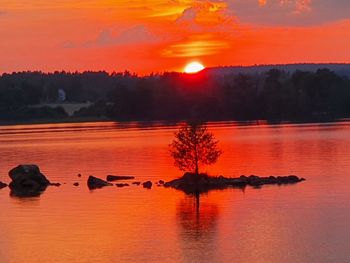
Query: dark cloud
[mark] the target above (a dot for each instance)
(290, 12)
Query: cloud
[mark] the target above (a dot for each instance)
(302, 6)
(135, 35)
(188, 29)
(290, 12)
(195, 47)
(206, 15)
(217, 15)
(293, 6)
(202, 28)
(208, 28)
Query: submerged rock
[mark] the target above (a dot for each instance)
(27, 180)
(192, 183)
(2, 185)
(147, 185)
(111, 178)
(76, 184)
(94, 182)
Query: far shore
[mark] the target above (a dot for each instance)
(105, 119)
(55, 121)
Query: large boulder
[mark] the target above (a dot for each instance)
(27, 180)
(94, 182)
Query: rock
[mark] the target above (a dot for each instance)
(244, 179)
(76, 184)
(160, 182)
(270, 180)
(254, 180)
(237, 182)
(191, 183)
(94, 182)
(79, 175)
(2, 185)
(293, 179)
(111, 178)
(136, 183)
(30, 172)
(121, 185)
(55, 184)
(147, 185)
(27, 180)
(281, 180)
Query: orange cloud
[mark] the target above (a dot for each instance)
(195, 48)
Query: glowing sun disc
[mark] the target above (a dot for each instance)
(193, 67)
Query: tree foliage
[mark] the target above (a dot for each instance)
(194, 146)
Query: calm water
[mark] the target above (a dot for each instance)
(307, 222)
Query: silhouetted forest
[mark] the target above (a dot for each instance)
(273, 95)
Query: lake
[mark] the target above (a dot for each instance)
(305, 222)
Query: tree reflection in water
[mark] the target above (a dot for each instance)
(197, 228)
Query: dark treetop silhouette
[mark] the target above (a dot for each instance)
(194, 145)
(273, 95)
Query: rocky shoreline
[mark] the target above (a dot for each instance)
(28, 181)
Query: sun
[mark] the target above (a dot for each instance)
(193, 67)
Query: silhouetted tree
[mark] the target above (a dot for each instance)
(194, 145)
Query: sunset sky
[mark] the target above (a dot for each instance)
(162, 35)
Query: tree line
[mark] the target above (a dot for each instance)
(273, 95)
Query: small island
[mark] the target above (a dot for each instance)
(191, 183)
(194, 145)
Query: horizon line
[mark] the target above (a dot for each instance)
(126, 71)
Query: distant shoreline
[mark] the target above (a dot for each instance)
(102, 119)
(55, 121)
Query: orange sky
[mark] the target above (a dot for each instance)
(161, 35)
